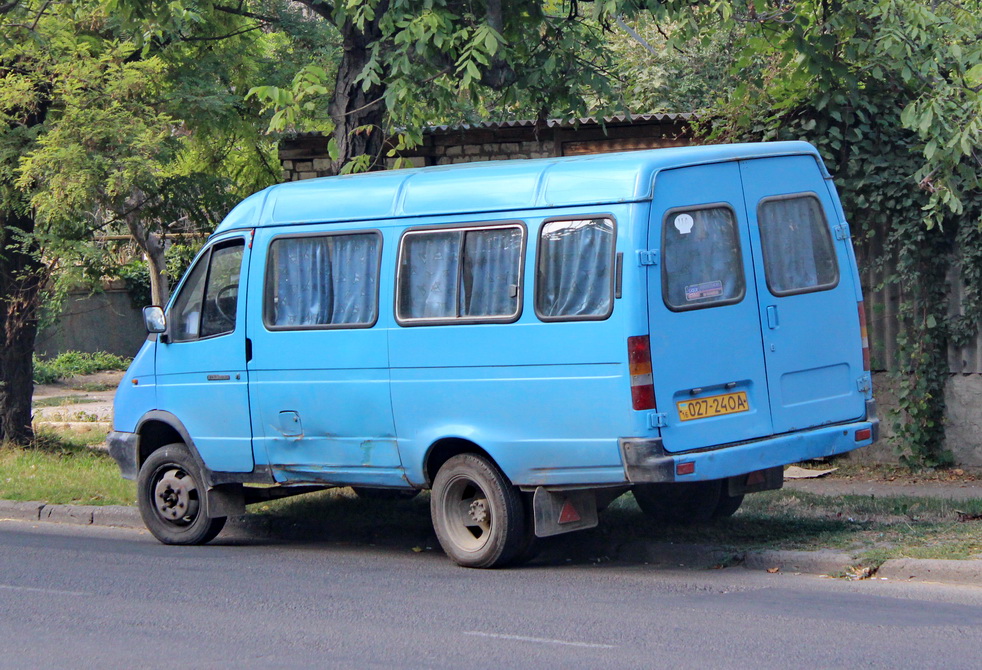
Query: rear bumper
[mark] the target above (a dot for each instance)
(646, 461)
(123, 448)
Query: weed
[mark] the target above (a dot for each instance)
(62, 400)
(75, 363)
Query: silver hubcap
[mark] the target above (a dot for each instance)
(468, 514)
(175, 496)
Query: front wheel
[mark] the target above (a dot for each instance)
(478, 516)
(171, 496)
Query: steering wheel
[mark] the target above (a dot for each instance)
(218, 300)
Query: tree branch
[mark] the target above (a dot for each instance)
(321, 8)
(220, 37)
(238, 11)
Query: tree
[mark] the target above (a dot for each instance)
(101, 130)
(404, 65)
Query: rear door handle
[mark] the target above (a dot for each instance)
(772, 317)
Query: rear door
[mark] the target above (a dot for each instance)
(808, 300)
(707, 360)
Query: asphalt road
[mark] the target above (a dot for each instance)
(85, 597)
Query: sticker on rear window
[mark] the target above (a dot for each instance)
(684, 223)
(708, 289)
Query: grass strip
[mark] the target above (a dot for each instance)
(63, 470)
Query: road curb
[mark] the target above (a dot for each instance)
(120, 516)
(821, 562)
(932, 570)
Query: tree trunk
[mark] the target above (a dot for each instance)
(352, 106)
(153, 247)
(21, 279)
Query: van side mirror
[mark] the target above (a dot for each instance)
(154, 319)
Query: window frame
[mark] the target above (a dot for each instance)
(826, 232)
(613, 269)
(205, 256)
(464, 228)
(268, 281)
(664, 267)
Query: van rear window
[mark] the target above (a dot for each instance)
(322, 281)
(798, 252)
(702, 263)
(465, 275)
(574, 273)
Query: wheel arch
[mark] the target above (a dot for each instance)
(158, 428)
(446, 448)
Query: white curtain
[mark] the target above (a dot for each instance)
(574, 269)
(470, 274)
(798, 253)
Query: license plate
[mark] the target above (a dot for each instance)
(714, 405)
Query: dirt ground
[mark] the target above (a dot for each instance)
(81, 401)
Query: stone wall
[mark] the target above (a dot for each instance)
(91, 322)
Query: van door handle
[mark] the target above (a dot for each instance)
(772, 317)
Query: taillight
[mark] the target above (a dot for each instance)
(864, 334)
(639, 364)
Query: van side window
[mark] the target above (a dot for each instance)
(208, 300)
(798, 252)
(322, 281)
(465, 274)
(702, 263)
(574, 273)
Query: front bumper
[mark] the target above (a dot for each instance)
(124, 447)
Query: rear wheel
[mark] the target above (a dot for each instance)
(171, 496)
(681, 502)
(478, 516)
(727, 505)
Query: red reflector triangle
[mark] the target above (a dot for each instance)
(568, 514)
(755, 478)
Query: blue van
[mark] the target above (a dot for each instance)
(527, 339)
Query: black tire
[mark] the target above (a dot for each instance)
(682, 503)
(171, 496)
(478, 516)
(368, 493)
(727, 505)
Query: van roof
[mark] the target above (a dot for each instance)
(496, 186)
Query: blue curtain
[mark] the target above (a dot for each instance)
(798, 253)
(574, 269)
(326, 280)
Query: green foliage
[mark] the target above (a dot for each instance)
(889, 93)
(447, 62)
(74, 363)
